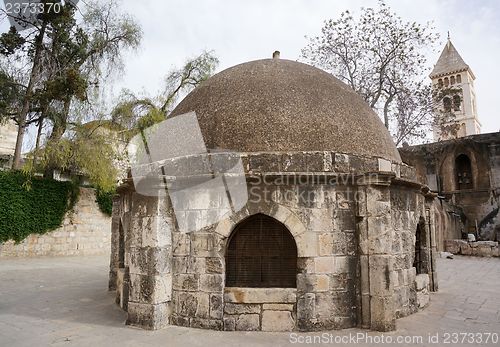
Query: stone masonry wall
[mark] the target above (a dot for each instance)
(326, 294)
(85, 231)
(405, 207)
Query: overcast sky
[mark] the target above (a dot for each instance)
(240, 31)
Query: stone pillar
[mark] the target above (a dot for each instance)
(430, 227)
(150, 258)
(376, 260)
(115, 231)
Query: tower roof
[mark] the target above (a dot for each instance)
(449, 62)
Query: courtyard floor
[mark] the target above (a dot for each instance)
(65, 302)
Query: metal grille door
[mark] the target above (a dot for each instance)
(261, 253)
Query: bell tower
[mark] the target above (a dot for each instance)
(453, 86)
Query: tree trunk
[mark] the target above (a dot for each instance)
(57, 133)
(27, 98)
(37, 144)
(60, 125)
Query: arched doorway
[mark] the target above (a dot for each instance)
(418, 260)
(261, 253)
(463, 170)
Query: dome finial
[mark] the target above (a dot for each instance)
(276, 55)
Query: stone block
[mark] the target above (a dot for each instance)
(203, 306)
(423, 299)
(186, 282)
(465, 249)
(230, 308)
(278, 307)
(180, 244)
(484, 250)
(185, 304)
(382, 315)
(202, 323)
(211, 282)
(214, 265)
(148, 316)
(216, 306)
(452, 246)
(384, 165)
(203, 244)
(307, 244)
(196, 265)
(325, 244)
(229, 323)
(277, 321)
(150, 260)
(422, 282)
(259, 295)
(306, 307)
(151, 289)
(247, 322)
(324, 265)
(495, 252)
(305, 265)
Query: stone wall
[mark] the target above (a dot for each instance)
(406, 211)
(478, 207)
(8, 135)
(343, 222)
(266, 309)
(84, 231)
(479, 248)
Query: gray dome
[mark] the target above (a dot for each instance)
(280, 105)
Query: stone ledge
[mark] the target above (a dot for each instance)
(478, 248)
(239, 295)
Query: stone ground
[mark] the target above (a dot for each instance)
(64, 302)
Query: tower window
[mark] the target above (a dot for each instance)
(261, 253)
(463, 169)
(456, 102)
(440, 83)
(452, 80)
(446, 82)
(459, 79)
(447, 104)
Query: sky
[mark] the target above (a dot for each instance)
(239, 31)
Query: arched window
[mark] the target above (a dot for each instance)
(261, 253)
(459, 79)
(447, 104)
(456, 102)
(463, 169)
(452, 80)
(440, 83)
(446, 82)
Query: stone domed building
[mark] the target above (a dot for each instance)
(321, 227)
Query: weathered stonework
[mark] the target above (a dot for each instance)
(355, 237)
(478, 249)
(351, 218)
(85, 231)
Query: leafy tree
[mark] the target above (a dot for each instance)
(137, 114)
(66, 57)
(381, 57)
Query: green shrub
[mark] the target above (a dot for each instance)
(33, 208)
(105, 201)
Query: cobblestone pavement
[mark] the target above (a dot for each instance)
(64, 302)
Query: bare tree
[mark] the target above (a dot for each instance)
(381, 57)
